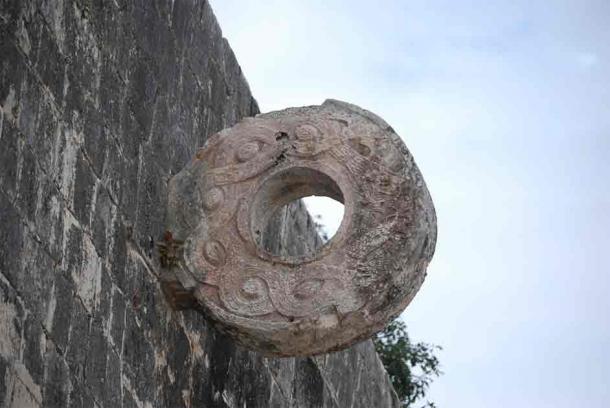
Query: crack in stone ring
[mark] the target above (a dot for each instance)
(220, 203)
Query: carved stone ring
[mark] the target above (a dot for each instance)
(362, 278)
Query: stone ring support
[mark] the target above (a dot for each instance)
(365, 276)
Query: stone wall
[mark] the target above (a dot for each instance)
(102, 102)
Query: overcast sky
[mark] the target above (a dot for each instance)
(505, 106)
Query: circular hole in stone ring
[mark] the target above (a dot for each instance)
(273, 196)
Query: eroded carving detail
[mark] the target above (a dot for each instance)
(215, 253)
(305, 305)
(213, 198)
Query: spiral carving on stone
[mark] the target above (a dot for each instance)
(366, 275)
(213, 198)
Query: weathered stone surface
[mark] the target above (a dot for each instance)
(100, 104)
(311, 303)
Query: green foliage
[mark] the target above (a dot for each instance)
(411, 366)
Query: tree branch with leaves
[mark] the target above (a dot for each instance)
(411, 366)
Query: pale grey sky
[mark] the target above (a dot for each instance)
(506, 107)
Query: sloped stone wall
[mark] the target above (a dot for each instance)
(101, 102)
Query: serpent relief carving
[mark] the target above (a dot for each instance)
(220, 203)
